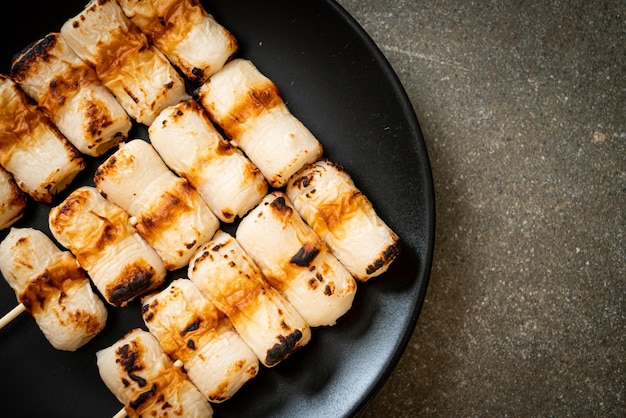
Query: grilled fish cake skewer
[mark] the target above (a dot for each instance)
(266, 321)
(249, 109)
(170, 214)
(191, 146)
(191, 329)
(120, 262)
(328, 200)
(296, 261)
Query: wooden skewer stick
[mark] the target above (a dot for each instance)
(13, 313)
(120, 414)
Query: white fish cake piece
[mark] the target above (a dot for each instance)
(143, 378)
(190, 145)
(190, 328)
(183, 30)
(120, 262)
(248, 107)
(266, 321)
(12, 200)
(68, 90)
(131, 364)
(171, 215)
(296, 261)
(136, 72)
(328, 200)
(42, 161)
(53, 288)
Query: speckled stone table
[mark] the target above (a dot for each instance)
(523, 109)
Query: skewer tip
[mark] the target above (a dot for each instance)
(121, 414)
(11, 315)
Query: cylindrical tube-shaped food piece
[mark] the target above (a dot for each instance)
(248, 107)
(266, 321)
(328, 200)
(191, 146)
(296, 261)
(68, 90)
(191, 329)
(12, 200)
(136, 72)
(143, 378)
(171, 215)
(53, 288)
(120, 262)
(42, 161)
(183, 30)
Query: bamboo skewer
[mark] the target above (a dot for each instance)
(120, 414)
(11, 315)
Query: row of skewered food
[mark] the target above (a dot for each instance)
(229, 151)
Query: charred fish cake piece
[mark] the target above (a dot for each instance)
(135, 71)
(296, 261)
(190, 328)
(42, 161)
(266, 321)
(170, 214)
(68, 90)
(122, 265)
(145, 380)
(53, 288)
(328, 200)
(191, 146)
(249, 109)
(190, 37)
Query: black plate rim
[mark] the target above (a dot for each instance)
(405, 101)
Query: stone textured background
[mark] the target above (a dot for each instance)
(523, 109)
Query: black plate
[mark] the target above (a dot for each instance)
(335, 79)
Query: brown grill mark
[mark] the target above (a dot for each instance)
(279, 204)
(62, 87)
(284, 347)
(305, 256)
(128, 357)
(390, 253)
(134, 280)
(123, 46)
(19, 121)
(166, 213)
(97, 120)
(53, 282)
(172, 15)
(259, 98)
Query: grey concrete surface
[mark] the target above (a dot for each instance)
(523, 109)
